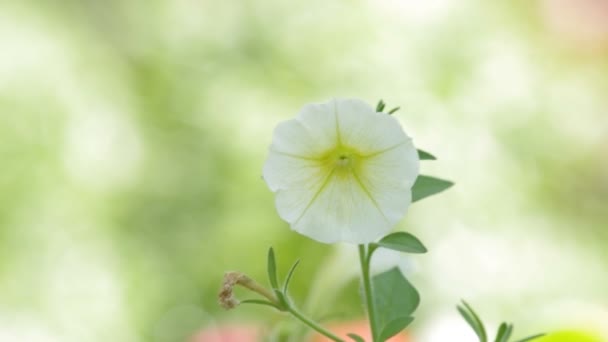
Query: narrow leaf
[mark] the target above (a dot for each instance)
(533, 337)
(472, 323)
(504, 332)
(259, 302)
(393, 110)
(426, 186)
(356, 337)
(508, 333)
(501, 332)
(272, 269)
(424, 155)
(394, 298)
(402, 242)
(380, 106)
(394, 327)
(471, 317)
(289, 275)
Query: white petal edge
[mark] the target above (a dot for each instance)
(365, 130)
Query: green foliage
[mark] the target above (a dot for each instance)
(289, 275)
(402, 242)
(474, 321)
(533, 337)
(426, 186)
(395, 300)
(272, 269)
(272, 276)
(380, 106)
(393, 327)
(504, 330)
(392, 111)
(424, 155)
(356, 337)
(259, 302)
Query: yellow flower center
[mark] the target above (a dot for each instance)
(342, 161)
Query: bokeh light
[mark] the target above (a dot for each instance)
(132, 135)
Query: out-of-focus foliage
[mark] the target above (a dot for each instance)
(132, 135)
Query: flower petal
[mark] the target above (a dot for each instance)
(319, 119)
(342, 210)
(311, 134)
(365, 130)
(297, 183)
(292, 138)
(389, 177)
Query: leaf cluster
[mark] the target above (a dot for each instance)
(505, 330)
(280, 292)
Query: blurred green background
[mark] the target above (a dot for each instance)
(132, 136)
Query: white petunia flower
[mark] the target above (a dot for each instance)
(341, 171)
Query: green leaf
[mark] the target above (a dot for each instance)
(504, 332)
(501, 332)
(508, 333)
(395, 299)
(426, 186)
(355, 337)
(471, 317)
(402, 242)
(392, 111)
(533, 337)
(289, 275)
(282, 298)
(259, 302)
(394, 327)
(424, 155)
(380, 106)
(272, 270)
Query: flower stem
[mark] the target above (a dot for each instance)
(367, 288)
(313, 324)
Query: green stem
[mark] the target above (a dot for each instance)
(313, 324)
(364, 259)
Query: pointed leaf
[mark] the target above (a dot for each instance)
(380, 106)
(508, 333)
(392, 111)
(426, 186)
(402, 242)
(272, 269)
(504, 332)
(356, 337)
(530, 338)
(394, 298)
(289, 275)
(471, 317)
(501, 332)
(394, 327)
(472, 323)
(424, 155)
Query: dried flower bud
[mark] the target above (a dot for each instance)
(226, 296)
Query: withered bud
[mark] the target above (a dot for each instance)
(226, 296)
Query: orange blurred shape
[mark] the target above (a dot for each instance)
(236, 333)
(360, 328)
